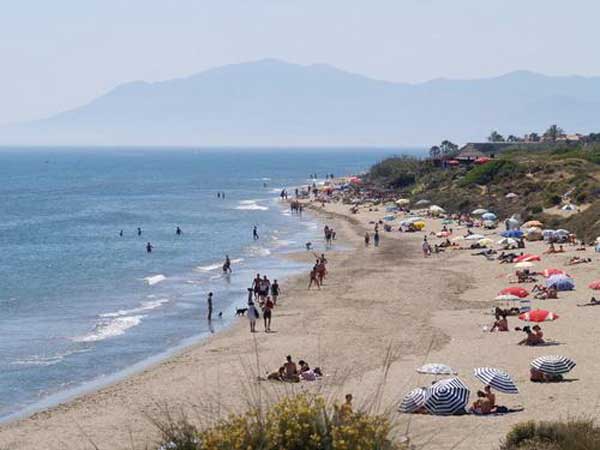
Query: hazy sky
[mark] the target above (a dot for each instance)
(55, 55)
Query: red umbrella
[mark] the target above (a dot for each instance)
(482, 160)
(538, 315)
(514, 290)
(549, 272)
(527, 257)
(595, 285)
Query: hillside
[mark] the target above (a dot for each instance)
(271, 102)
(544, 181)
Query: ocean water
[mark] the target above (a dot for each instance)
(79, 303)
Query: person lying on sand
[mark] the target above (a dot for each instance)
(506, 258)
(578, 260)
(540, 377)
(593, 302)
(545, 293)
(534, 336)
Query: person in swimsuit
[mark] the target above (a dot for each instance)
(255, 233)
(149, 247)
(291, 371)
(227, 265)
(314, 278)
(121, 233)
(178, 231)
(209, 301)
(267, 311)
(139, 231)
(275, 291)
(367, 239)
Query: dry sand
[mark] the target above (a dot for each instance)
(375, 299)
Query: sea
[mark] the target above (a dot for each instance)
(82, 306)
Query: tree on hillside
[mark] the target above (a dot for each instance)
(533, 137)
(553, 133)
(495, 137)
(435, 152)
(447, 147)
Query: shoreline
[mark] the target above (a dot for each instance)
(100, 382)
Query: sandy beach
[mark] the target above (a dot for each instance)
(374, 299)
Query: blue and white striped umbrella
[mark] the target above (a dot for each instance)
(497, 379)
(553, 364)
(447, 397)
(414, 400)
(436, 369)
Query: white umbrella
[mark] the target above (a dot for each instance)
(447, 397)
(569, 207)
(479, 211)
(414, 400)
(422, 202)
(507, 241)
(524, 265)
(436, 209)
(474, 237)
(436, 369)
(511, 195)
(507, 298)
(402, 201)
(553, 364)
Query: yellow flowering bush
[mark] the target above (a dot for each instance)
(301, 422)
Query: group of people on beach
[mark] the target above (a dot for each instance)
(265, 294)
(294, 373)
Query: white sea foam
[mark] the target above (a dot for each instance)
(108, 328)
(251, 205)
(154, 279)
(144, 306)
(39, 360)
(216, 266)
(255, 250)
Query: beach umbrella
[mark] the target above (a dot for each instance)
(482, 160)
(389, 218)
(562, 232)
(508, 241)
(474, 237)
(534, 234)
(436, 369)
(485, 242)
(569, 207)
(512, 234)
(419, 225)
(533, 223)
(511, 195)
(447, 221)
(595, 285)
(496, 379)
(524, 265)
(412, 401)
(447, 397)
(549, 272)
(514, 290)
(402, 201)
(553, 364)
(507, 298)
(423, 202)
(560, 282)
(527, 257)
(479, 211)
(436, 209)
(489, 216)
(538, 315)
(489, 224)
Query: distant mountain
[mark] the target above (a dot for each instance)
(270, 102)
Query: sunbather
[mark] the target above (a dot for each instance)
(482, 405)
(535, 336)
(501, 323)
(578, 260)
(540, 377)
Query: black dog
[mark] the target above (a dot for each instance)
(241, 311)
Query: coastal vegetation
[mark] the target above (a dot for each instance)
(569, 435)
(297, 422)
(544, 177)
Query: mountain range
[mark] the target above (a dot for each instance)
(275, 103)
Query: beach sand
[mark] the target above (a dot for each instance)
(375, 301)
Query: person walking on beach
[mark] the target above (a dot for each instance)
(255, 233)
(252, 311)
(275, 291)
(367, 239)
(376, 238)
(178, 231)
(426, 248)
(149, 247)
(209, 302)
(314, 277)
(267, 311)
(139, 231)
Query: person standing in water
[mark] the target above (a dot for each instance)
(218, 195)
(178, 231)
(255, 233)
(227, 265)
(209, 301)
(139, 231)
(149, 247)
(121, 233)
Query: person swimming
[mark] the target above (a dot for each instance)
(139, 231)
(149, 247)
(121, 233)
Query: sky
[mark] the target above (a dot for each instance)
(57, 55)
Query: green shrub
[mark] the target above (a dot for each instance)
(551, 200)
(301, 422)
(535, 209)
(570, 435)
(491, 171)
